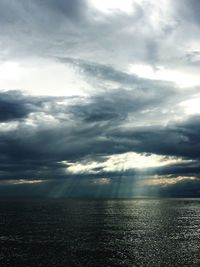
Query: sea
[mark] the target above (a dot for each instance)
(107, 233)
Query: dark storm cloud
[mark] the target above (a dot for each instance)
(120, 93)
(15, 105)
(12, 108)
(122, 113)
(181, 189)
(118, 104)
(89, 128)
(180, 139)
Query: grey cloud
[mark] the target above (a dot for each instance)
(116, 105)
(13, 106)
(91, 129)
(122, 113)
(65, 28)
(181, 189)
(72, 9)
(118, 92)
(62, 27)
(90, 126)
(21, 11)
(188, 10)
(78, 187)
(180, 139)
(37, 22)
(102, 73)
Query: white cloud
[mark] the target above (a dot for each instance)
(167, 180)
(20, 182)
(42, 77)
(181, 78)
(10, 71)
(191, 106)
(122, 162)
(102, 181)
(113, 5)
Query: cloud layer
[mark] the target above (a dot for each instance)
(129, 130)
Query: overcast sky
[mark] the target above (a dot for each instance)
(100, 98)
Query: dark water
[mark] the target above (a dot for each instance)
(103, 233)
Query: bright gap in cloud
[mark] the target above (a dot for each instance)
(8, 126)
(166, 181)
(20, 182)
(108, 6)
(122, 162)
(191, 106)
(182, 79)
(10, 71)
(102, 181)
(42, 77)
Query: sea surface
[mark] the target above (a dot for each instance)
(137, 232)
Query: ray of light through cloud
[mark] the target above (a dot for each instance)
(100, 97)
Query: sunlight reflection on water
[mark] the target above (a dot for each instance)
(140, 232)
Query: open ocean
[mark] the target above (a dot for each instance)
(136, 232)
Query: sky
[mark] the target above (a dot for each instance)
(99, 98)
